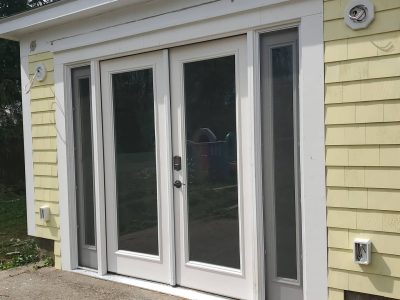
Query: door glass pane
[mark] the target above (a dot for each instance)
(135, 161)
(284, 170)
(211, 160)
(87, 160)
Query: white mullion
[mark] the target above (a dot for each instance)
(97, 135)
(254, 98)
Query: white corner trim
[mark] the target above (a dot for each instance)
(28, 154)
(312, 158)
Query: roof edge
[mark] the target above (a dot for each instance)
(15, 26)
(31, 11)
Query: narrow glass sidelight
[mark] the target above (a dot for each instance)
(211, 161)
(284, 160)
(87, 161)
(279, 82)
(135, 161)
(82, 117)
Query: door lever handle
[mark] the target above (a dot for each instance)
(177, 184)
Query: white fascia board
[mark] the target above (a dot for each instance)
(175, 18)
(54, 14)
(165, 33)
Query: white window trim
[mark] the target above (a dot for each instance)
(311, 99)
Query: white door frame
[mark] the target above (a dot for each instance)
(311, 95)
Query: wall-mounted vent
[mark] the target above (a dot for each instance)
(359, 14)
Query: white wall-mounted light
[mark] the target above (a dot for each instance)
(358, 14)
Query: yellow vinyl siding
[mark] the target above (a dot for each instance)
(385, 21)
(44, 146)
(362, 123)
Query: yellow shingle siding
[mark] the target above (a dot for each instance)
(362, 123)
(44, 146)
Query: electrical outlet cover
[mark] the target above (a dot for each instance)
(362, 251)
(44, 213)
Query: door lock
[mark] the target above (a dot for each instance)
(178, 184)
(177, 163)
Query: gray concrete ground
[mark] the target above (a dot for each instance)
(48, 283)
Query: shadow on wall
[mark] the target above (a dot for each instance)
(358, 296)
(382, 284)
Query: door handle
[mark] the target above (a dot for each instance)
(177, 184)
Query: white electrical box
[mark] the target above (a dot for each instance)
(362, 251)
(44, 213)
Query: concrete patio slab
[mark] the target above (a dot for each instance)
(48, 283)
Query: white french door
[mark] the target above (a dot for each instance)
(212, 210)
(178, 204)
(136, 140)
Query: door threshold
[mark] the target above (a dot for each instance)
(152, 286)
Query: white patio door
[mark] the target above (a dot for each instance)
(136, 140)
(177, 202)
(211, 191)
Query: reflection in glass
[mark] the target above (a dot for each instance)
(87, 160)
(210, 101)
(284, 171)
(84, 160)
(135, 161)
